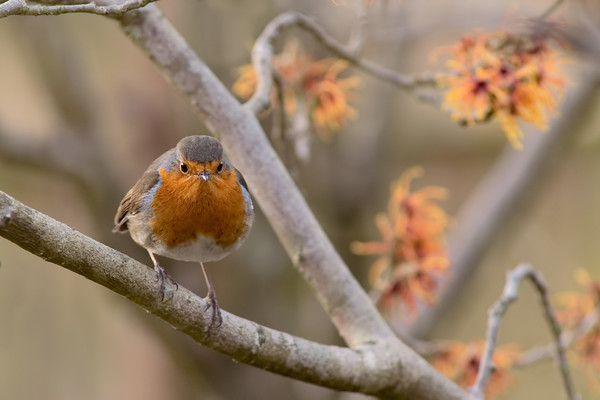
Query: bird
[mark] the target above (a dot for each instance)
(191, 204)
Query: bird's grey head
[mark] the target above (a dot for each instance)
(201, 149)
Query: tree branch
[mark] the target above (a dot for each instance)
(262, 55)
(377, 369)
(355, 317)
(513, 280)
(23, 7)
(540, 353)
(356, 41)
(243, 340)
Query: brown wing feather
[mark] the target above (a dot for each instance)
(131, 203)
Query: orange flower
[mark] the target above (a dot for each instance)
(412, 253)
(317, 83)
(331, 109)
(470, 98)
(572, 309)
(245, 86)
(460, 362)
(587, 355)
(512, 77)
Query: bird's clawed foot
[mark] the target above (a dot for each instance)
(162, 278)
(211, 298)
(216, 319)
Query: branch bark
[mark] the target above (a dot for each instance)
(354, 315)
(381, 369)
(243, 340)
(262, 55)
(509, 295)
(542, 353)
(22, 7)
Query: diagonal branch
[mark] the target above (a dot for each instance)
(313, 254)
(243, 340)
(262, 55)
(377, 369)
(509, 295)
(23, 7)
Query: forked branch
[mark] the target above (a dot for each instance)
(262, 56)
(509, 295)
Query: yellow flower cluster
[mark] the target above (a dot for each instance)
(505, 76)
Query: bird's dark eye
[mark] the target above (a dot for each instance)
(183, 167)
(220, 167)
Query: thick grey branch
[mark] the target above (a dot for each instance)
(243, 340)
(377, 369)
(513, 280)
(349, 307)
(262, 56)
(23, 7)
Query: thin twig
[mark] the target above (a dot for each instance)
(23, 7)
(280, 134)
(429, 348)
(509, 295)
(279, 116)
(546, 352)
(262, 55)
(281, 131)
(358, 35)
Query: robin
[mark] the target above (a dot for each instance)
(191, 204)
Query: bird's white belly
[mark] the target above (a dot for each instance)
(201, 249)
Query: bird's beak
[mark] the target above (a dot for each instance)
(204, 175)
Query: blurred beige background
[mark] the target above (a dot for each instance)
(79, 78)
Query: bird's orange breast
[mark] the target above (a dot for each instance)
(184, 207)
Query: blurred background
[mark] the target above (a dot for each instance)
(83, 112)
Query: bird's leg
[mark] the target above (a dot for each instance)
(161, 276)
(211, 296)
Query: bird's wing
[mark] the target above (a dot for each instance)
(132, 201)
